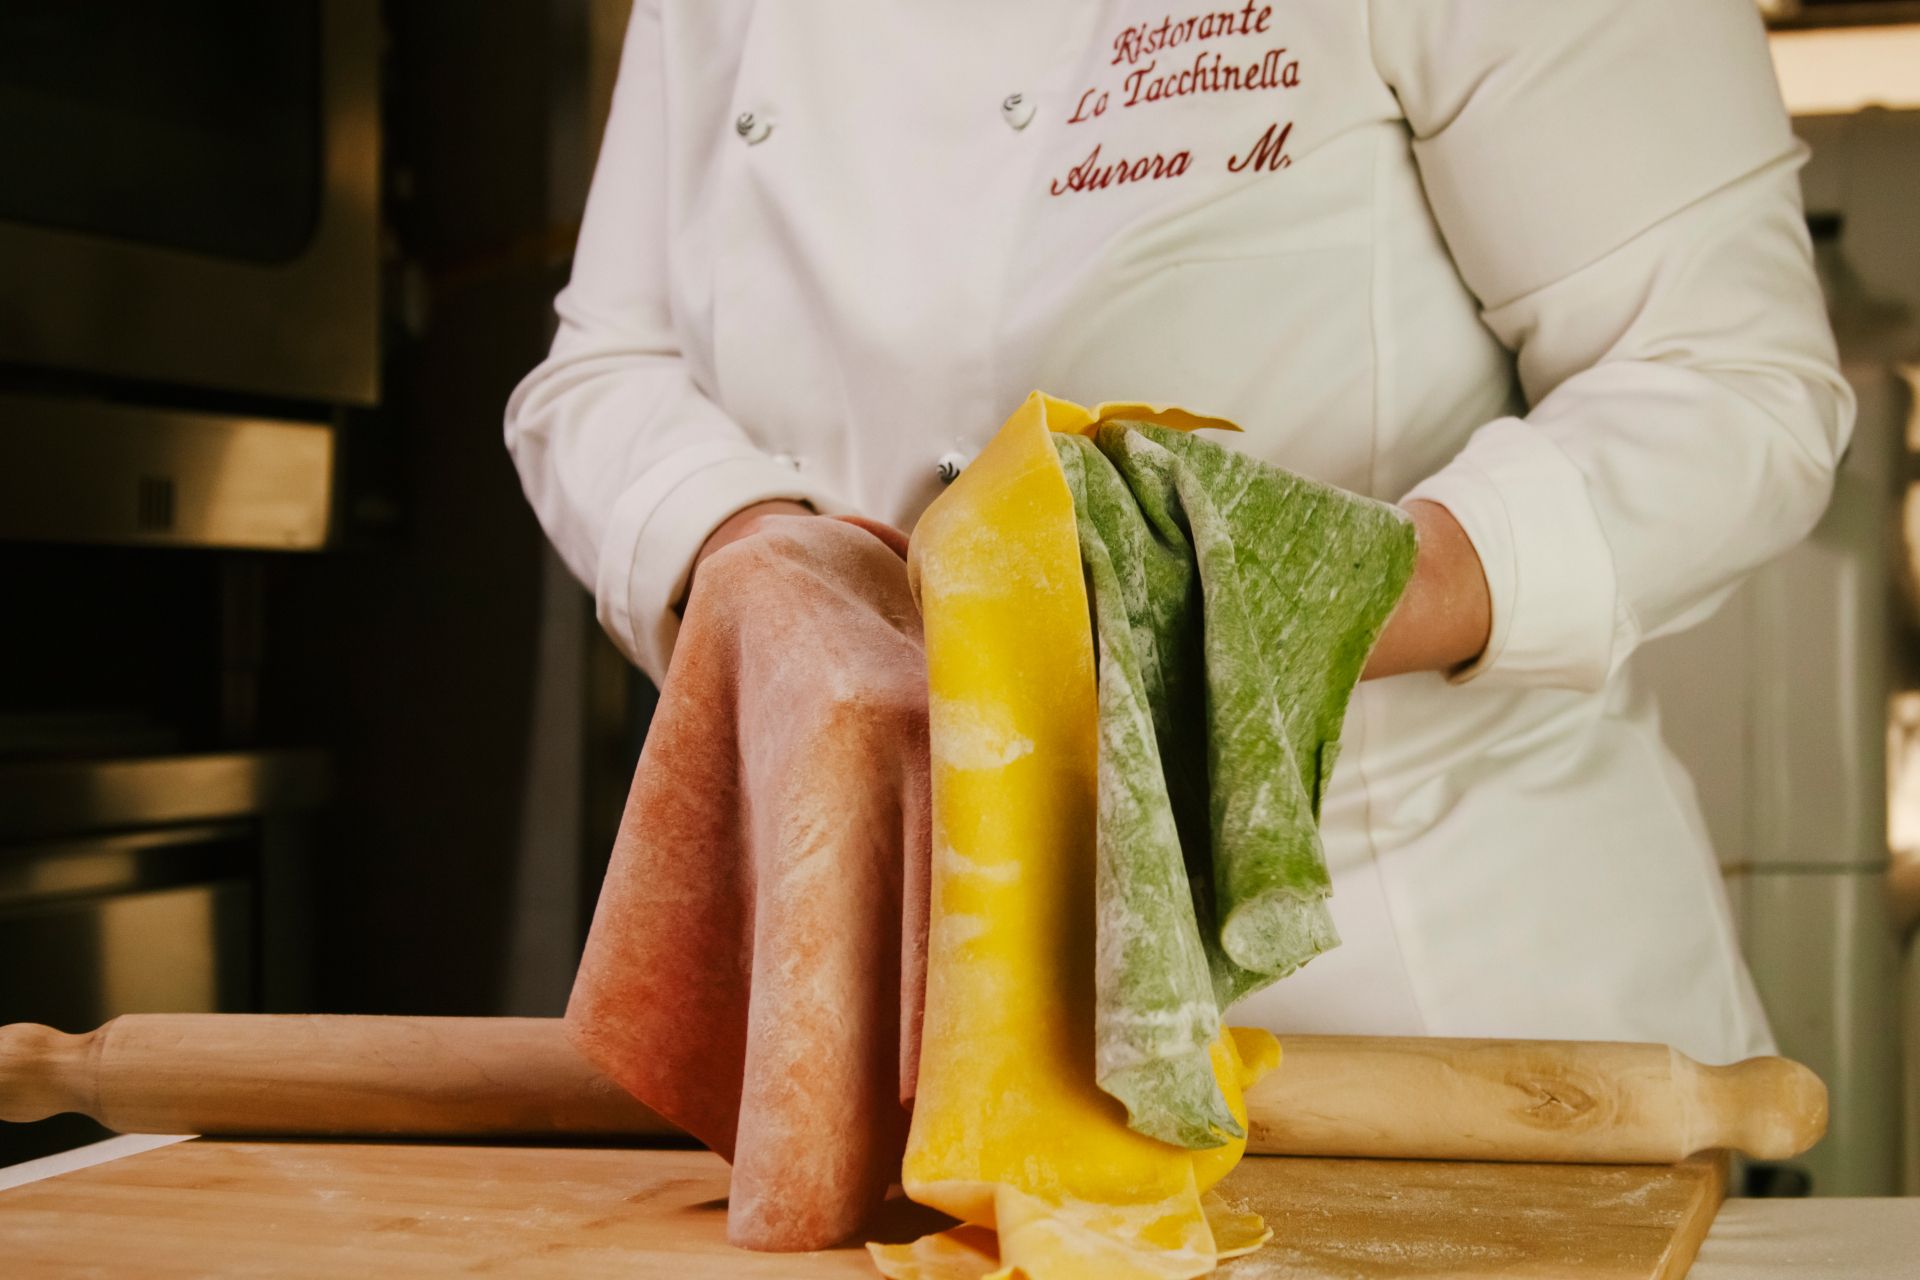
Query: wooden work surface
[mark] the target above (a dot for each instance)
(207, 1208)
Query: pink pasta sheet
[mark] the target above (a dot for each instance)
(757, 962)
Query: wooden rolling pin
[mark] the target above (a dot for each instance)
(1565, 1101)
(1333, 1095)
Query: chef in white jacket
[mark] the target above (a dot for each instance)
(1537, 271)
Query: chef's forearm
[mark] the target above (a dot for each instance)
(1443, 621)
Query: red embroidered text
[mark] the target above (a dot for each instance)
(1211, 73)
(1269, 153)
(1091, 175)
(1139, 41)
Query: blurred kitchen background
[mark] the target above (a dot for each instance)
(298, 712)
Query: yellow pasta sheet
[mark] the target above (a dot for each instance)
(1010, 1133)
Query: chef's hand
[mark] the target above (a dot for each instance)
(741, 524)
(1443, 621)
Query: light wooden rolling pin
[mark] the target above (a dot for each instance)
(1333, 1095)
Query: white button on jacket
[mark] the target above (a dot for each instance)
(1542, 263)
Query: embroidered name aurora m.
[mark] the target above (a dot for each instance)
(1268, 154)
(1091, 175)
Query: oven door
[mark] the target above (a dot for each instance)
(192, 193)
(162, 884)
(150, 922)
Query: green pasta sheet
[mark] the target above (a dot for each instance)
(1234, 605)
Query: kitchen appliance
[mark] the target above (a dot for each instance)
(190, 235)
(86, 471)
(192, 194)
(1780, 705)
(172, 882)
(190, 239)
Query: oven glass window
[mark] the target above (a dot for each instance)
(189, 124)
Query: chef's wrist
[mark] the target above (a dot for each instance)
(740, 524)
(1445, 617)
(744, 521)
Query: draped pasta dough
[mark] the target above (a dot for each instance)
(1010, 1131)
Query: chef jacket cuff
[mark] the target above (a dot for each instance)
(1549, 569)
(659, 525)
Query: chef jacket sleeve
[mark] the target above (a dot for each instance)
(628, 465)
(1617, 183)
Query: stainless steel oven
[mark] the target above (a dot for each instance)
(151, 884)
(190, 264)
(191, 193)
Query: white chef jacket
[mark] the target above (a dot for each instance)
(1543, 263)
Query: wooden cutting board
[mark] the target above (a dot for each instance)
(207, 1208)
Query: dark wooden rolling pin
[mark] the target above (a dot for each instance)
(1332, 1096)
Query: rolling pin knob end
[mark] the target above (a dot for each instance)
(1781, 1132)
(1769, 1108)
(41, 1072)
